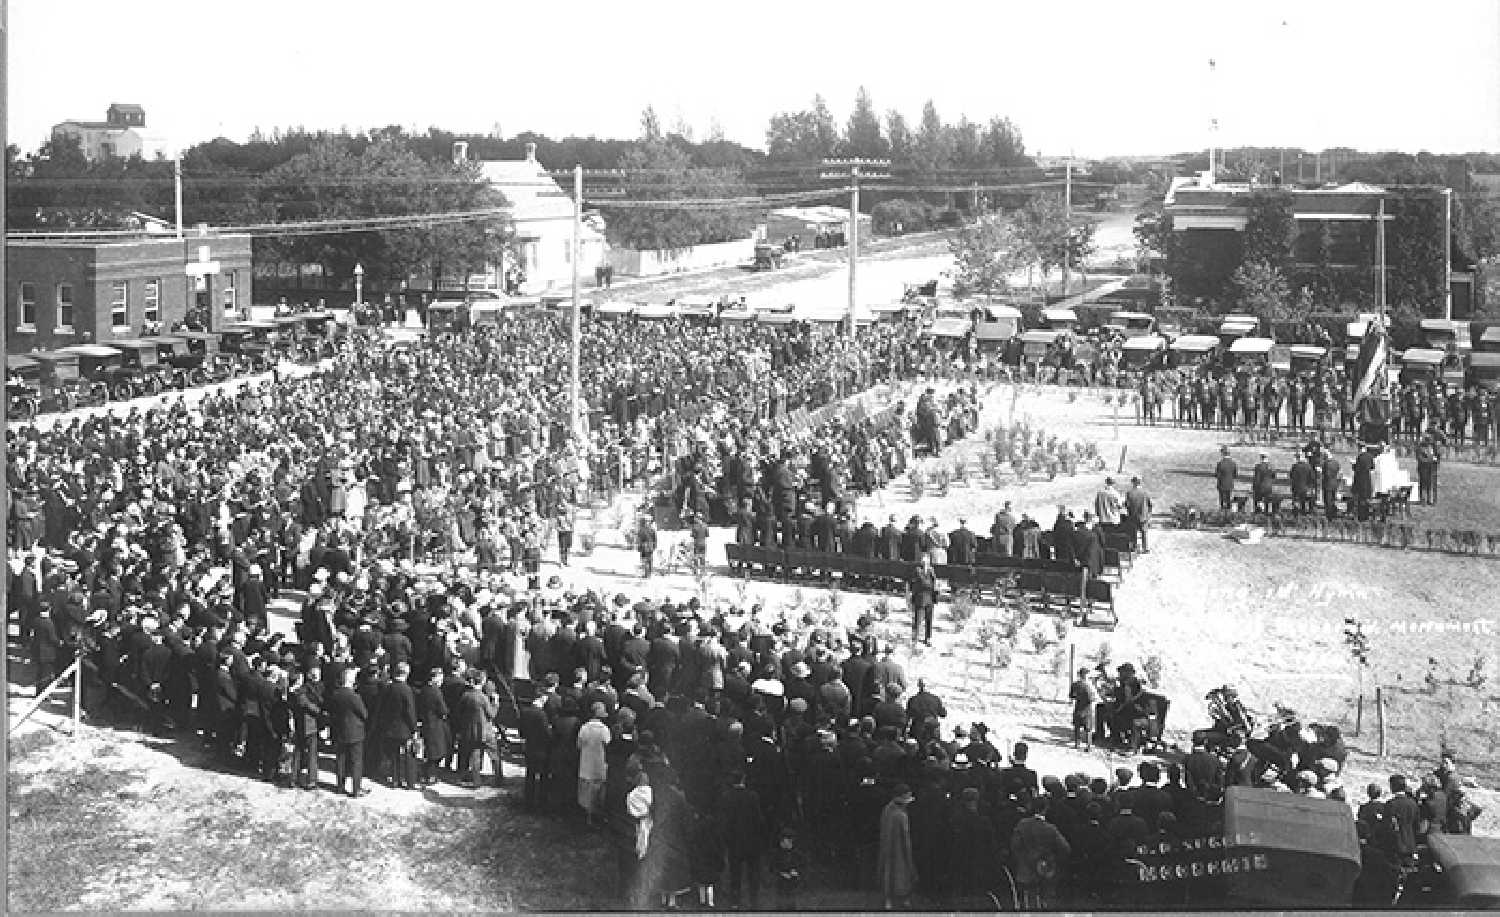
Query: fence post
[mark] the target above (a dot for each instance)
(77, 692)
(1359, 713)
(1380, 721)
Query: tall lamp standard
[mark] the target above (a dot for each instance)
(359, 283)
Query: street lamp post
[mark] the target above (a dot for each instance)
(359, 283)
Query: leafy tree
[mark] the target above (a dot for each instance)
(1262, 290)
(987, 251)
(1414, 249)
(803, 136)
(1002, 145)
(932, 149)
(1050, 239)
(1270, 228)
(661, 169)
(332, 182)
(898, 135)
(863, 138)
(1153, 231)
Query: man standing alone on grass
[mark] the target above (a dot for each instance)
(923, 595)
(1224, 474)
(1138, 513)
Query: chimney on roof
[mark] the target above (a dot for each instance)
(460, 152)
(531, 152)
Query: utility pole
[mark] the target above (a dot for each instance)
(851, 170)
(1448, 254)
(1380, 259)
(177, 189)
(1067, 221)
(576, 334)
(853, 243)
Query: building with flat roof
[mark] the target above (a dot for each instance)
(61, 291)
(1334, 230)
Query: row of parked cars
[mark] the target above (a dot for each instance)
(84, 375)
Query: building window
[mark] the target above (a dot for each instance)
(230, 303)
(65, 308)
(28, 307)
(151, 305)
(119, 306)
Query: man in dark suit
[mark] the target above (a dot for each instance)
(398, 722)
(1401, 815)
(1088, 546)
(1364, 482)
(1304, 482)
(1263, 484)
(347, 716)
(1330, 482)
(536, 734)
(923, 595)
(889, 545)
(1138, 513)
(961, 544)
(1001, 532)
(306, 698)
(1019, 780)
(662, 662)
(1225, 473)
(744, 827)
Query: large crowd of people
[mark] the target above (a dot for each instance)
(720, 747)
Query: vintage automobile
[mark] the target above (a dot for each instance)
(995, 324)
(1301, 852)
(1308, 359)
(105, 365)
(1037, 346)
(1232, 328)
(250, 344)
(1460, 872)
(63, 385)
(1191, 350)
(217, 365)
(657, 312)
(698, 309)
(895, 312)
(1143, 354)
(949, 327)
(23, 388)
(916, 292)
(1059, 320)
(1131, 324)
(1484, 371)
(767, 256)
(615, 310)
(175, 353)
(448, 315)
(1441, 334)
(140, 359)
(1421, 364)
(1250, 354)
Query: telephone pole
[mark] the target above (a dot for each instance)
(576, 333)
(852, 170)
(1067, 221)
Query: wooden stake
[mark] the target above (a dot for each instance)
(1359, 713)
(1380, 721)
(1121, 468)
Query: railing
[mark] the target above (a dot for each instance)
(76, 671)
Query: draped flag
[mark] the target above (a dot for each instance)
(1372, 381)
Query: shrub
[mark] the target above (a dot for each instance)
(962, 608)
(881, 609)
(1039, 638)
(1062, 626)
(1151, 668)
(1477, 676)
(1102, 656)
(1060, 661)
(1001, 655)
(586, 543)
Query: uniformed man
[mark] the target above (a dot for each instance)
(1225, 473)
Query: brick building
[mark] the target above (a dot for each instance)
(60, 292)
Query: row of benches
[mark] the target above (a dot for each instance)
(1057, 585)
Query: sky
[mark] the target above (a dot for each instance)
(1091, 78)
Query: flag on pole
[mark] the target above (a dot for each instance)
(1372, 380)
